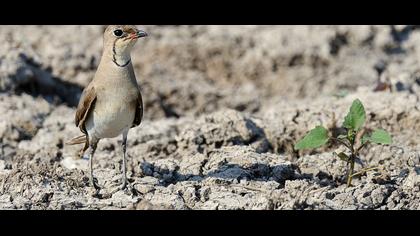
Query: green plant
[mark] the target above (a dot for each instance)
(353, 123)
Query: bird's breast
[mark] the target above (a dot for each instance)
(112, 114)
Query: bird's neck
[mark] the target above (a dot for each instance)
(116, 57)
(113, 73)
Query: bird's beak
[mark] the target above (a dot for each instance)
(141, 34)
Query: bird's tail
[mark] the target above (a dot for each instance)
(77, 140)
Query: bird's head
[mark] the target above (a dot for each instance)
(121, 38)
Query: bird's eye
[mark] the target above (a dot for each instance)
(118, 33)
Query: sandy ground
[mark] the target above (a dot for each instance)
(224, 106)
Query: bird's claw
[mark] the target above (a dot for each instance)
(123, 186)
(95, 185)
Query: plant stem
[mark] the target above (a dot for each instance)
(360, 148)
(342, 142)
(350, 172)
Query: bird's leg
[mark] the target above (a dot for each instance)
(83, 150)
(124, 164)
(92, 148)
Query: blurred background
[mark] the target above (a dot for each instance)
(191, 70)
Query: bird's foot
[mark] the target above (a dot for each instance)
(123, 185)
(95, 185)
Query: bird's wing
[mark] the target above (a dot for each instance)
(86, 104)
(139, 111)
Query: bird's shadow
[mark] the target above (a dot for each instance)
(230, 172)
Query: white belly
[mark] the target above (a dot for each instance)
(109, 121)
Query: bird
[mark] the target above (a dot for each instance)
(112, 102)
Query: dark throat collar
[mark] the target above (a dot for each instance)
(120, 65)
(114, 59)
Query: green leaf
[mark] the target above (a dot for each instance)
(380, 136)
(356, 116)
(365, 139)
(314, 139)
(343, 157)
(342, 136)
